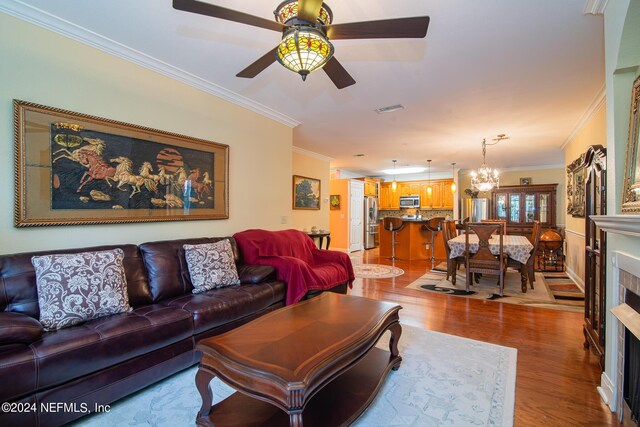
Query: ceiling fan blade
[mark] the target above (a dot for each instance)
(338, 75)
(308, 10)
(399, 28)
(258, 66)
(207, 9)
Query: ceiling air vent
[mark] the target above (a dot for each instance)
(389, 109)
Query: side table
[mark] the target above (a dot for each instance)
(320, 237)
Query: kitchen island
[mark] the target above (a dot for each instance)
(413, 241)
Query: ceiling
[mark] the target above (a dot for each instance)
(529, 69)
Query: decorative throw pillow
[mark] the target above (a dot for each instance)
(211, 265)
(73, 288)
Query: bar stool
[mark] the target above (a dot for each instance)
(393, 225)
(434, 225)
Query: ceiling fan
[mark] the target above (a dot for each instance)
(306, 30)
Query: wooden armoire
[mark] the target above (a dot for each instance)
(595, 163)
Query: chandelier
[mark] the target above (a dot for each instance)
(485, 178)
(303, 48)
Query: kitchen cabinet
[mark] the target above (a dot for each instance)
(370, 189)
(520, 205)
(371, 186)
(441, 196)
(447, 195)
(389, 199)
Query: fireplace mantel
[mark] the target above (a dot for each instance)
(621, 224)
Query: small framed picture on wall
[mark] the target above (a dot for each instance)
(525, 181)
(334, 201)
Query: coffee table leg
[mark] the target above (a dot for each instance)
(203, 379)
(396, 331)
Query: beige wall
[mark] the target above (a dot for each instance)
(553, 175)
(312, 167)
(594, 132)
(42, 67)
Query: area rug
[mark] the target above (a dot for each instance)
(563, 287)
(376, 271)
(444, 380)
(487, 289)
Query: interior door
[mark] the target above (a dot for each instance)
(356, 215)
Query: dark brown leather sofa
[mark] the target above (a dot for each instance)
(54, 377)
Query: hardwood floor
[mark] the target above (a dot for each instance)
(556, 378)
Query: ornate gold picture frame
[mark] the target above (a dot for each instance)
(576, 177)
(631, 194)
(73, 168)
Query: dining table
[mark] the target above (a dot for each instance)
(517, 248)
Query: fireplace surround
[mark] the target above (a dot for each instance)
(624, 289)
(628, 354)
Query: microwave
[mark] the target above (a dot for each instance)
(409, 202)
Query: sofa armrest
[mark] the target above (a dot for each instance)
(255, 273)
(19, 328)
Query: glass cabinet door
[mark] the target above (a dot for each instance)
(529, 208)
(501, 206)
(545, 208)
(514, 208)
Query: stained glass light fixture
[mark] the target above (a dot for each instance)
(394, 184)
(303, 48)
(288, 10)
(485, 178)
(454, 187)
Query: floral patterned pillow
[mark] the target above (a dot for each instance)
(211, 265)
(74, 288)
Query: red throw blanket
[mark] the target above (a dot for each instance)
(296, 259)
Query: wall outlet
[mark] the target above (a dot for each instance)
(283, 219)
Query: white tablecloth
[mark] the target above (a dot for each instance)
(516, 247)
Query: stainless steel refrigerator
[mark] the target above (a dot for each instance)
(371, 231)
(475, 209)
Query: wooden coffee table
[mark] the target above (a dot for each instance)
(312, 363)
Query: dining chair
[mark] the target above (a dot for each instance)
(449, 232)
(529, 267)
(483, 261)
(531, 262)
(497, 221)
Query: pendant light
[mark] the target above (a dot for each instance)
(485, 178)
(394, 184)
(454, 187)
(429, 188)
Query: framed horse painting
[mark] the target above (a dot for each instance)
(72, 168)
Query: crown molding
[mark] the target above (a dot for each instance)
(65, 28)
(312, 154)
(521, 168)
(595, 7)
(597, 102)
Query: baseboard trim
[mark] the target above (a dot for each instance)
(607, 391)
(573, 276)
